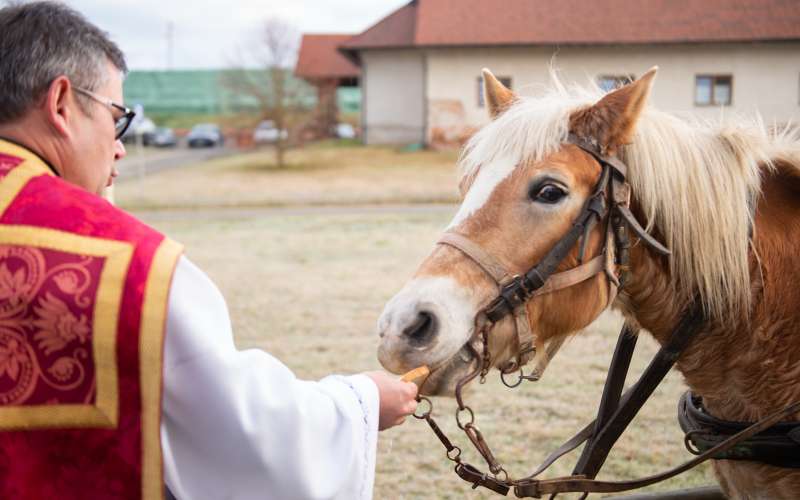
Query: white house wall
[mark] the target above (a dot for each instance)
(393, 96)
(766, 78)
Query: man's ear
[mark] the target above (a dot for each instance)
(611, 122)
(497, 96)
(59, 105)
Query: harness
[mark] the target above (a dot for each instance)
(778, 446)
(609, 204)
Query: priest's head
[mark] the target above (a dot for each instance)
(61, 80)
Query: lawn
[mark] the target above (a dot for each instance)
(325, 174)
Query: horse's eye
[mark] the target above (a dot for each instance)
(548, 193)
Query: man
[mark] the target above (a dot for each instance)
(89, 296)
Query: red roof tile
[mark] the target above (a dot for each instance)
(319, 58)
(545, 22)
(395, 30)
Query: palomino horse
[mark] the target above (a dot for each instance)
(725, 200)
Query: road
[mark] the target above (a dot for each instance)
(146, 161)
(235, 213)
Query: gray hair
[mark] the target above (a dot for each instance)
(40, 41)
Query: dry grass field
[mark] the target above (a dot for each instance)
(316, 175)
(308, 284)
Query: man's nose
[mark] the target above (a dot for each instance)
(119, 150)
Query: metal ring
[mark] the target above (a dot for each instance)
(504, 473)
(455, 458)
(425, 414)
(689, 444)
(458, 417)
(520, 378)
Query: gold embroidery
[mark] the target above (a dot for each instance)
(32, 166)
(154, 316)
(57, 327)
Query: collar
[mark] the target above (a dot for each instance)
(12, 148)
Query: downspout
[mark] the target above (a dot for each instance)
(425, 83)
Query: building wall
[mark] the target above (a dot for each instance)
(393, 96)
(766, 78)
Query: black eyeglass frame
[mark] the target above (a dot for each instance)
(122, 123)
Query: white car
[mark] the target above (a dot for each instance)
(266, 132)
(345, 131)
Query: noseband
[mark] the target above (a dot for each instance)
(609, 202)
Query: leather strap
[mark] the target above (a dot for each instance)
(484, 259)
(536, 488)
(778, 445)
(612, 391)
(579, 274)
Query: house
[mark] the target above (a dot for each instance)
(320, 64)
(420, 65)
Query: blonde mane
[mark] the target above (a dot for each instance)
(697, 182)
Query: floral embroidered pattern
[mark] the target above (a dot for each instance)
(11, 359)
(46, 299)
(58, 326)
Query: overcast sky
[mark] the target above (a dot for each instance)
(210, 33)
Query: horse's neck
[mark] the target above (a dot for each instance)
(749, 367)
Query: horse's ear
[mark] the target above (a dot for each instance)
(612, 120)
(498, 97)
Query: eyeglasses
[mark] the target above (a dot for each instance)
(122, 123)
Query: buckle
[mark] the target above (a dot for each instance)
(472, 475)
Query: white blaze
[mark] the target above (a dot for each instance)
(482, 188)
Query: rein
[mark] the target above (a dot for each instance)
(610, 201)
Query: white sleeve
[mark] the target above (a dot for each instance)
(239, 425)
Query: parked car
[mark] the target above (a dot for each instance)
(141, 126)
(164, 137)
(344, 131)
(266, 132)
(205, 135)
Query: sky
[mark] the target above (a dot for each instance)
(214, 33)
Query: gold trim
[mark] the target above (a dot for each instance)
(105, 412)
(11, 149)
(151, 339)
(31, 166)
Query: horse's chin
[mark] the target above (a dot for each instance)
(443, 380)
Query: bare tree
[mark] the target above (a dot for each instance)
(274, 53)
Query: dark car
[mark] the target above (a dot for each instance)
(205, 135)
(164, 137)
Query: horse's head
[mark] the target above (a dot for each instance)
(523, 186)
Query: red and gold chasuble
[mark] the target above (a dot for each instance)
(83, 297)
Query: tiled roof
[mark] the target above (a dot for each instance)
(394, 30)
(319, 58)
(436, 23)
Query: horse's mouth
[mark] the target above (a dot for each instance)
(443, 378)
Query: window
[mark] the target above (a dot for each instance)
(610, 82)
(713, 90)
(505, 80)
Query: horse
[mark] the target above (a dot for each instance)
(724, 198)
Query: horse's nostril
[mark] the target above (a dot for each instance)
(422, 330)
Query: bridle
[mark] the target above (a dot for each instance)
(609, 204)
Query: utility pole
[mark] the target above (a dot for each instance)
(170, 43)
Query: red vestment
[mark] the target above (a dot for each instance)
(83, 300)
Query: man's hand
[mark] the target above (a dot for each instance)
(396, 399)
